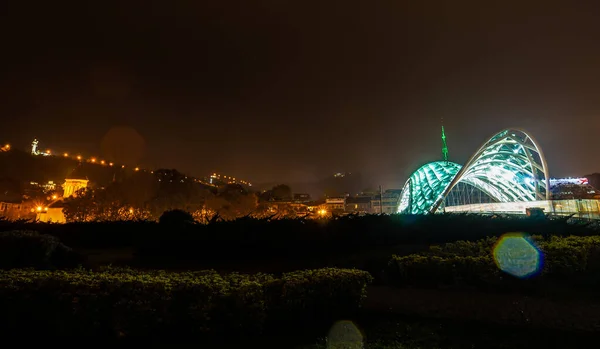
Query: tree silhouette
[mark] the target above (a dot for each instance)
(177, 218)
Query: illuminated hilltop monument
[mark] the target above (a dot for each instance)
(34, 146)
(35, 150)
(509, 167)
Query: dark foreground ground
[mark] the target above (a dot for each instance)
(418, 318)
(381, 330)
(560, 314)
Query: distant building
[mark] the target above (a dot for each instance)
(336, 204)
(71, 186)
(76, 181)
(387, 202)
(359, 204)
(50, 186)
(315, 206)
(302, 197)
(572, 188)
(15, 210)
(52, 214)
(594, 180)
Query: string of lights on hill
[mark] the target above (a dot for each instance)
(215, 179)
(92, 159)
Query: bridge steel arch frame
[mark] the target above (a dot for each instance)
(509, 167)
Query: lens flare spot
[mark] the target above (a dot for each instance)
(516, 255)
(344, 334)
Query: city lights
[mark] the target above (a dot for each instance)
(78, 157)
(110, 164)
(66, 155)
(54, 197)
(102, 162)
(39, 208)
(137, 169)
(93, 160)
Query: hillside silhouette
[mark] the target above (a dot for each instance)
(21, 166)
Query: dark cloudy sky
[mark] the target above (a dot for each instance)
(294, 90)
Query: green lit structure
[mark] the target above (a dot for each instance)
(444, 145)
(509, 167)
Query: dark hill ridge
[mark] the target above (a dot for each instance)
(24, 167)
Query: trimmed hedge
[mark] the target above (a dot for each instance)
(472, 263)
(29, 249)
(125, 302)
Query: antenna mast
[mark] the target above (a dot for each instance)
(444, 145)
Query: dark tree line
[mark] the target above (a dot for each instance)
(146, 196)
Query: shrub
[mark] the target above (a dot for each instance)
(571, 255)
(251, 240)
(436, 270)
(464, 248)
(472, 263)
(176, 218)
(124, 302)
(29, 249)
(330, 291)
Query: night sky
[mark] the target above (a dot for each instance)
(292, 91)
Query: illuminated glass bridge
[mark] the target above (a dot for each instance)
(508, 168)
